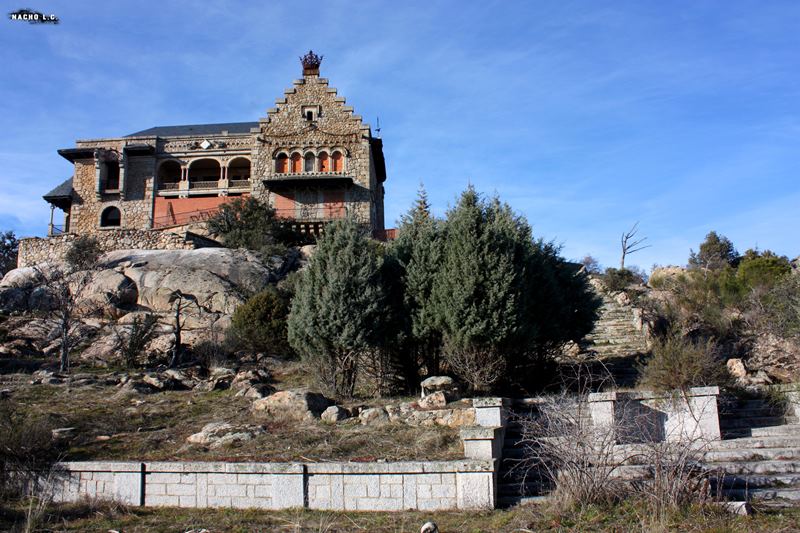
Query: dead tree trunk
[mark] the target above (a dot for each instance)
(631, 244)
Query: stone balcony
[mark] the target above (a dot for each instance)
(185, 188)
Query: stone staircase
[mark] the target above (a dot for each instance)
(617, 333)
(514, 485)
(759, 453)
(757, 459)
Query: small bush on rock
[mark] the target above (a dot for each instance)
(248, 223)
(133, 342)
(260, 323)
(84, 253)
(619, 279)
(213, 352)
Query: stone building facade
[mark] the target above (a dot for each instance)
(311, 158)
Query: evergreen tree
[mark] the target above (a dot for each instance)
(339, 312)
(9, 246)
(417, 252)
(475, 293)
(715, 253)
(502, 300)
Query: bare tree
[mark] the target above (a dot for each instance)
(182, 303)
(631, 244)
(64, 294)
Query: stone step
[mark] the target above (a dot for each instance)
(780, 481)
(789, 495)
(511, 501)
(752, 403)
(750, 443)
(528, 488)
(751, 422)
(751, 412)
(768, 431)
(757, 467)
(752, 455)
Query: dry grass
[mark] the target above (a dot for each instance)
(627, 517)
(155, 426)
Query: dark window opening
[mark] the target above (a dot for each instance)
(112, 176)
(309, 115)
(111, 217)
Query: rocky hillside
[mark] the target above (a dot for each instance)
(131, 283)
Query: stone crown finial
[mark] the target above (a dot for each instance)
(311, 62)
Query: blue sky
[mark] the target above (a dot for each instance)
(585, 116)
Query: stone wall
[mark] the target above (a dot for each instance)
(435, 485)
(36, 250)
(134, 199)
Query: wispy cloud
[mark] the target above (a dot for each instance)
(586, 117)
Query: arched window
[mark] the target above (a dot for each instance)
(110, 218)
(239, 169)
(338, 161)
(204, 174)
(281, 164)
(308, 166)
(169, 174)
(297, 163)
(324, 162)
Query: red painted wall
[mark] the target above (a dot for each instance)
(185, 210)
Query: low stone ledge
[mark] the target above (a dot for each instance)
(667, 395)
(418, 467)
(490, 402)
(101, 466)
(225, 468)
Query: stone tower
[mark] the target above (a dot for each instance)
(316, 159)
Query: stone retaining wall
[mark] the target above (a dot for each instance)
(435, 485)
(35, 250)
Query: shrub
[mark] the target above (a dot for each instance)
(213, 352)
(678, 363)
(416, 253)
(260, 323)
(619, 279)
(762, 270)
(133, 342)
(477, 288)
(248, 223)
(26, 449)
(778, 310)
(83, 253)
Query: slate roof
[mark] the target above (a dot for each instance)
(196, 129)
(62, 191)
(61, 196)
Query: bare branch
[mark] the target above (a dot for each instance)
(630, 244)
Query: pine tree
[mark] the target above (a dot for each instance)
(339, 312)
(504, 302)
(475, 293)
(716, 252)
(417, 252)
